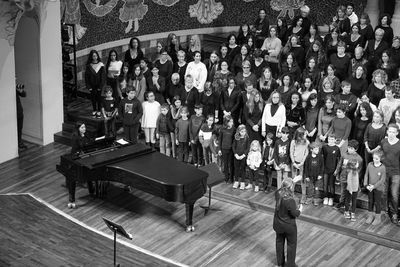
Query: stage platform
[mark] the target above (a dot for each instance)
(239, 233)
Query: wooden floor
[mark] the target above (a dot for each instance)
(32, 234)
(236, 235)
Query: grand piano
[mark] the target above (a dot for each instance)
(138, 166)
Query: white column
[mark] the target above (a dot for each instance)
(396, 19)
(8, 114)
(51, 71)
(372, 9)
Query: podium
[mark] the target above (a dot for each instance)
(117, 229)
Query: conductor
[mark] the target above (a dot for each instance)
(286, 212)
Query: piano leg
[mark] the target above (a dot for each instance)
(189, 216)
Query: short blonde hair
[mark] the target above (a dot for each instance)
(382, 73)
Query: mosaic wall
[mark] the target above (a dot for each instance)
(101, 21)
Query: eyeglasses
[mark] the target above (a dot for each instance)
(246, 67)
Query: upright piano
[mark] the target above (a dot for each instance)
(138, 166)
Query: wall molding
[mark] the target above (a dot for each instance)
(155, 36)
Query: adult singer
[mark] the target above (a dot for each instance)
(286, 212)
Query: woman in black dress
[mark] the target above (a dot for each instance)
(286, 212)
(78, 142)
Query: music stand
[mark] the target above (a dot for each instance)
(116, 228)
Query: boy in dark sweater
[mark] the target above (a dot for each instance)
(205, 136)
(313, 172)
(347, 99)
(331, 154)
(391, 152)
(130, 110)
(109, 110)
(282, 156)
(195, 123)
(182, 135)
(164, 128)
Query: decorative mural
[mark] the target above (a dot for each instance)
(166, 2)
(11, 13)
(286, 7)
(100, 10)
(71, 13)
(111, 20)
(131, 12)
(206, 11)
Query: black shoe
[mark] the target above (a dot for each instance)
(22, 146)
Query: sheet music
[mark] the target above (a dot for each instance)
(122, 142)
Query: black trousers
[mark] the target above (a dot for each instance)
(183, 151)
(131, 132)
(96, 99)
(227, 161)
(375, 198)
(20, 123)
(290, 236)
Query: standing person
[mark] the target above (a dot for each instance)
(313, 172)
(131, 111)
(358, 83)
(295, 115)
(205, 135)
(325, 116)
(349, 161)
(341, 128)
(246, 76)
(173, 46)
(212, 65)
(267, 84)
(286, 212)
(342, 21)
(260, 27)
(306, 89)
(164, 65)
(113, 68)
(124, 80)
(268, 161)
(151, 111)
(384, 23)
(282, 156)
(376, 90)
(225, 140)
(174, 88)
(193, 47)
(366, 29)
(388, 104)
(351, 14)
(373, 135)
(331, 154)
(95, 79)
(347, 100)
(341, 61)
(20, 114)
(286, 89)
(198, 71)
(78, 142)
(374, 50)
(252, 115)
(139, 82)
(311, 123)
(374, 181)
(272, 47)
(391, 150)
(134, 54)
(298, 154)
(157, 85)
(190, 96)
(182, 135)
(274, 115)
(231, 100)
(240, 149)
(254, 160)
(210, 101)
(180, 66)
(195, 123)
(351, 191)
(109, 109)
(164, 128)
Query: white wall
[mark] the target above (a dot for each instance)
(8, 117)
(51, 71)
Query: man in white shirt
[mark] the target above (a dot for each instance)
(350, 13)
(388, 104)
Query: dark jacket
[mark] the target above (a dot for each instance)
(131, 111)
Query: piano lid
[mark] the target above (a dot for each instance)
(161, 169)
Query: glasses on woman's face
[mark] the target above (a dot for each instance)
(285, 132)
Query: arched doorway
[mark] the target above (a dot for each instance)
(28, 72)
